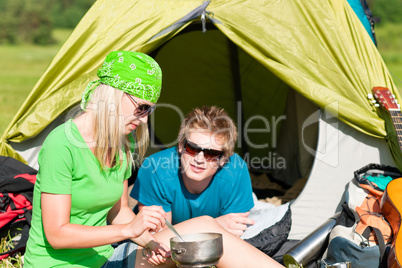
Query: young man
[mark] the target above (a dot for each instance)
(201, 176)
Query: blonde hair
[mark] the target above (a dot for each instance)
(110, 141)
(213, 120)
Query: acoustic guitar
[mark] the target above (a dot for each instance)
(391, 203)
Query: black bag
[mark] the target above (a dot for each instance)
(16, 191)
(271, 239)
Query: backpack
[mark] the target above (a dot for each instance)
(16, 192)
(362, 234)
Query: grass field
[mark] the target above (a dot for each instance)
(23, 65)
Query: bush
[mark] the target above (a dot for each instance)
(67, 13)
(9, 12)
(389, 11)
(25, 21)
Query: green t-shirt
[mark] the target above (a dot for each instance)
(67, 166)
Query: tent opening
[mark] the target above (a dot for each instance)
(207, 68)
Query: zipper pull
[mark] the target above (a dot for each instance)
(204, 22)
(204, 16)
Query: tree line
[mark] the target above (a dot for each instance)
(389, 11)
(32, 21)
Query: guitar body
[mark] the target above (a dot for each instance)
(391, 206)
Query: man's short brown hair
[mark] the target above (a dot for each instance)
(213, 120)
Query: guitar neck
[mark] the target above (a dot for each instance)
(396, 117)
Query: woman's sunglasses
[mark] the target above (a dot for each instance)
(210, 155)
(141, 110)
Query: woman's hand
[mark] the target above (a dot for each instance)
(157, 253)
(151, 219)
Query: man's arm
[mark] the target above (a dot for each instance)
(239, 200)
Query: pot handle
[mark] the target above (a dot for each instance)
(179, 251)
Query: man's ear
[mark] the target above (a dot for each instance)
(223, 161)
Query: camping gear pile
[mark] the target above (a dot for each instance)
(361, 233)
(294, 75)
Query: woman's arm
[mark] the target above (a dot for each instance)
(121, 213)
(62, 234)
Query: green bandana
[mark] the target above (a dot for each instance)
(132, 72)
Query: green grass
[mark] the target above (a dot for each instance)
(396, 71)
(10, 262)
(21, 67)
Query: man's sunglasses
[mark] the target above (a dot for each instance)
(141, 110)
(210, 155)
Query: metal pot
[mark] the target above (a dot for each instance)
(198, 250)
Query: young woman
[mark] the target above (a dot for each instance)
(80, 196)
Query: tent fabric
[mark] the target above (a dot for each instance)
(341, 150)
(301, 128)
(318, 48)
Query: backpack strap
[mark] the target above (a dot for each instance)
(11, 204)
(380, 239)
(4, 202)
(346, 218)
(28, 196)
(7, 201)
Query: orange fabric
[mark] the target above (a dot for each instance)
(377, 193)
(370, 215)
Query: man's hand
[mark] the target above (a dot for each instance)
(236, 223)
